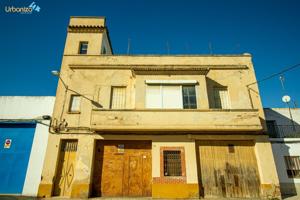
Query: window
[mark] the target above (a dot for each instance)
(118, 97)
(74, 103)
(272, 128)
(83, 46)
(221, 98)
(171, 96)
(293, 166)
(189, 97)
(172, 163)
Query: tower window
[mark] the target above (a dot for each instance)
(83, 46)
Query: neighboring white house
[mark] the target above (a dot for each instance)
(285, 138)
(24, 133)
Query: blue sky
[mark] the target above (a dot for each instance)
(32, 44)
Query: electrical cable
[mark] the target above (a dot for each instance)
(275, 74)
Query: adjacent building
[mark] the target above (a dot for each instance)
(24, 124)
(162, 126)
(284, 129)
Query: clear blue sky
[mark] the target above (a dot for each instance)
(32, 44)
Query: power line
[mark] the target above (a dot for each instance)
(276, 74)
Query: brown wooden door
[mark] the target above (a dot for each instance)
(122, 168)
(228, 169)
(65, 169)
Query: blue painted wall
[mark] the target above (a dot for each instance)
(14, 160)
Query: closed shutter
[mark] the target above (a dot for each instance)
(221, 98)
(163, 96)
(153, 96)
(172, 97)
(118, 100)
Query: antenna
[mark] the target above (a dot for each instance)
(128, 46)
(295, 104)
(168, 47)
(281, 78)
(210, 48)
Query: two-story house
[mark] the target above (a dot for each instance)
(161, 126)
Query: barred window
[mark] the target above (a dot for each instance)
(293, 166)
(172, 163)
(118, 97)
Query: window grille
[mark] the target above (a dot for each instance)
(293, 166)
(118, 98)
(172, 163)
(69, 145)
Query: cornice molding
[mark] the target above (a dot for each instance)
(86, 29)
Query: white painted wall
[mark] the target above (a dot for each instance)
(284, 146)
(27, 108)
(291, 147)
(282, 116)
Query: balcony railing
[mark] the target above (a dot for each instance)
(284, 131)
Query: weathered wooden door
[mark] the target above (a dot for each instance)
(122, 168)
(65, 169)
(228, 169)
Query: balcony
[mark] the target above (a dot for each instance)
(283, 131)
(214, 120)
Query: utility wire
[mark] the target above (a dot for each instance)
(276, 74)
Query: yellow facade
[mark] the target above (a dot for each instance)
(92, 76)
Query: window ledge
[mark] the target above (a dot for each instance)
(73, 112)
(178, 110)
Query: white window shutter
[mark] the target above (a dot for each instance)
(118, 98)
(153, 96)
(172, 97)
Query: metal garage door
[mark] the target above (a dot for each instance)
(122, 168)
(15, 147)
(228, 169)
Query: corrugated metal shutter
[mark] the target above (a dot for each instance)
(118, 100)
(14, 158)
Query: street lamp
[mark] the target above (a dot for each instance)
(57, 73)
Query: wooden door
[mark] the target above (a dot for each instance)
(65, 169)
(122, 168)
(228, 169)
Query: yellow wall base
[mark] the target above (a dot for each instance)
(175, 191)
(80, 190)
(45, 190)
(270, 191)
